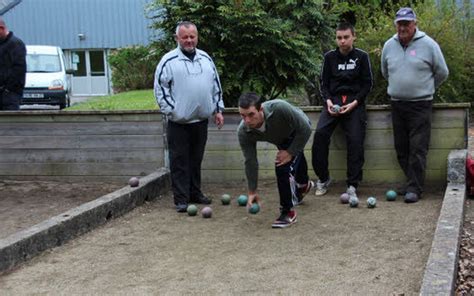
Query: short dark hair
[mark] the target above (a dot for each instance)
(346, 26)
(249, 99)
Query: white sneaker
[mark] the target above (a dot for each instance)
(322, 187)
(351, 190)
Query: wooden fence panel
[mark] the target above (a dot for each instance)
(223, 160)
(116, 145)
(80, 145)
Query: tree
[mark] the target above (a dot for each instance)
(263, 46)
(442, 20)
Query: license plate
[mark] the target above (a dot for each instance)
(33, 96)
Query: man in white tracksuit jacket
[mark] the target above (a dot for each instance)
(188, 91)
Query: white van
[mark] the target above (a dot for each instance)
(47, 80)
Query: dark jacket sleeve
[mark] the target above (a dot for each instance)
(249, 150)
(302, 128)
(16, 79)
(366, 79)
(325, 78)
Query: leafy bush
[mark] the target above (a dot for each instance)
(445, 23)
(276, 47)
(264, 46)
(133, 67)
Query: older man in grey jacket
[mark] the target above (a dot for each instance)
(188, 90)
(414, 66)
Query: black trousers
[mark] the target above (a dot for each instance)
(9, 100)
(354, 125)
(186, 143)
(290, 175)
(411, 133)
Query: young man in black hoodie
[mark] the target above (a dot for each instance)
(346, 79)
(12, 69)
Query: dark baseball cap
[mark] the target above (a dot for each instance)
(405, 14)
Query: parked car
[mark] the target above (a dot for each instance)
(47, 80)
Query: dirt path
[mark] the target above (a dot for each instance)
(332, 250)
(25, 203)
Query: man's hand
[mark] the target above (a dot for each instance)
(349, 107)
(330, 105)
(282, 157)
(253, 198)
(219, 120)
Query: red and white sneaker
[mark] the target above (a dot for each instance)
(305, 190)
(285, 220)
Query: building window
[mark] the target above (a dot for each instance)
(97, 63)
(79, 63)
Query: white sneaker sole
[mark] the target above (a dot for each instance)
(284, 225)
(320, 192)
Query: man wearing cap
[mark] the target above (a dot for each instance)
(414, 66)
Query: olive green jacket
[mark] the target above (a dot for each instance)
(282, 122)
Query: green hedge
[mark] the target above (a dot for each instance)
(446, 23)
(248, 64)
(133, 67)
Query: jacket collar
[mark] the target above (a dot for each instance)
(182, 56)
(341, 55)
(9, 36)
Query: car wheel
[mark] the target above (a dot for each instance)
(67, 103)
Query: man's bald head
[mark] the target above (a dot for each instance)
(3, 29)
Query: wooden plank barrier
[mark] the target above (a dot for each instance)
(99, 145)
(79, 145)
(223, 160)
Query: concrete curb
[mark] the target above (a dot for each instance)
(25, 244)
(441, 269)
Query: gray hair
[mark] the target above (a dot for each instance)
(187, 24)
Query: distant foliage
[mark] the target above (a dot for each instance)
(264, 46)
(133, 67)
(276, 47)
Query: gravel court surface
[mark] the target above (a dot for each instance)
(332, 250)
(26, 203)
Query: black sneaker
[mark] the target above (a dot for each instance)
(411, 197)
(201, 200)
(402, 190)
(285, 220)
(181, 208)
